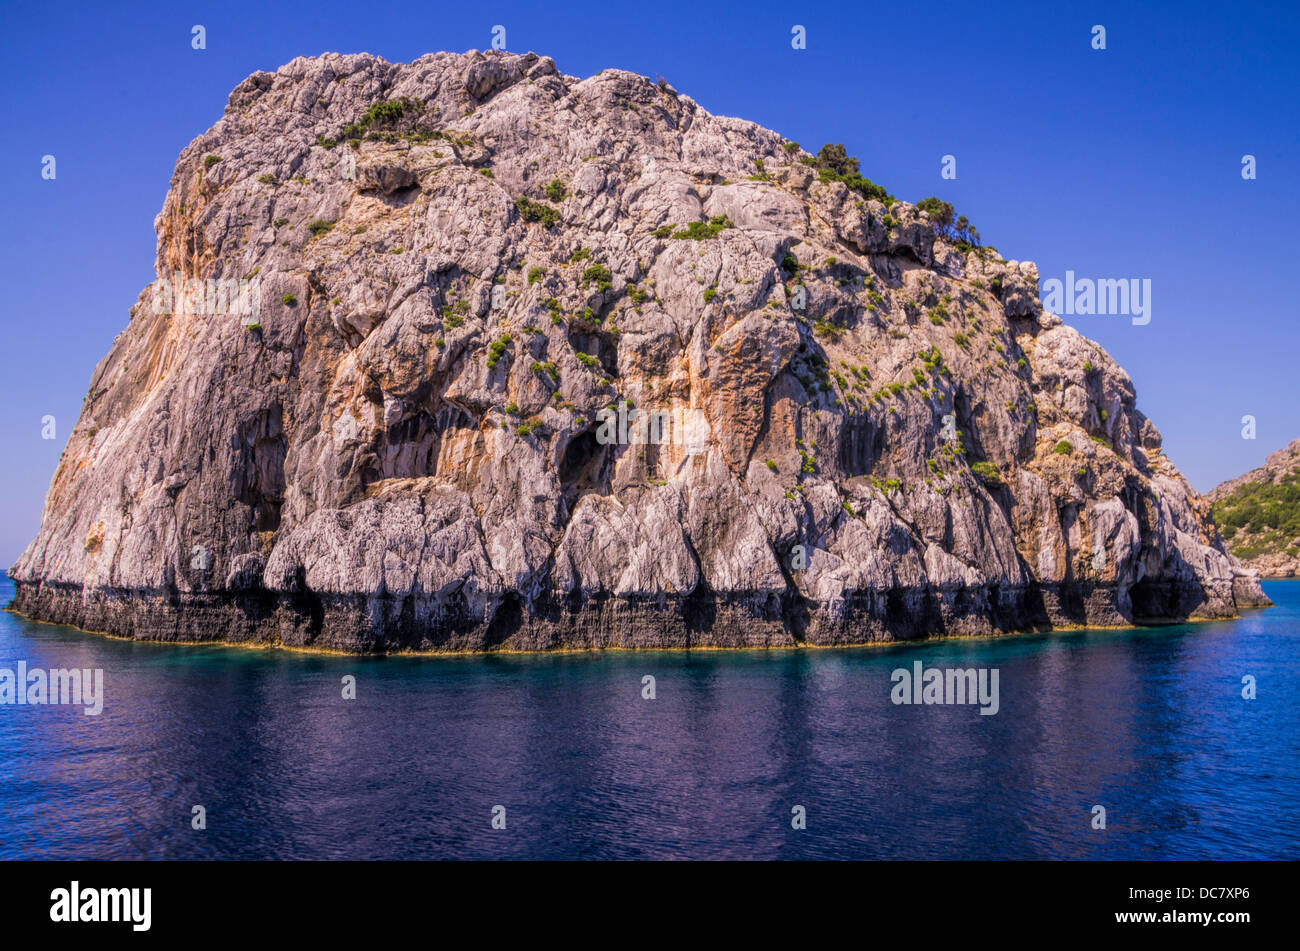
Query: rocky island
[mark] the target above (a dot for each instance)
(468, 354)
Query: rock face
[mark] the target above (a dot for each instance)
(454, 265)
(1260, 514)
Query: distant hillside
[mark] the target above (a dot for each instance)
(1259, 514)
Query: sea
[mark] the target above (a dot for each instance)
(1178, 742)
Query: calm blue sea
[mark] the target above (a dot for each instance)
(1148, 723)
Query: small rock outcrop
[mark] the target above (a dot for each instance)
(465, 353)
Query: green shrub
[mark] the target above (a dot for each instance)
(289, 300)
(536, 211)
(268, 179)
(319, 227)
(556, 191)
(987, 473)
(702, 231)
(941, 219)
(210, 161)
(586, 359)
(834, 164)
(382, 113)
(940, 212)
(1063, 448)
(535, 274)
(387, 115)
(280, 222)
(600, 275)
(497, 350)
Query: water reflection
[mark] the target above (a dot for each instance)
(1149, 724)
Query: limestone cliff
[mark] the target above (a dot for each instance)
(390, 435)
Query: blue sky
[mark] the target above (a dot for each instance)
(1117, 163)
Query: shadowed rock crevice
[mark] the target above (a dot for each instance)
(584, 468)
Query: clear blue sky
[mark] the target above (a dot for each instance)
(1122, 163)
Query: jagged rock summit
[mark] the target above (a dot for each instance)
(872, 431)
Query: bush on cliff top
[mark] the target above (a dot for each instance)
(961, 231)
(834, 164)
